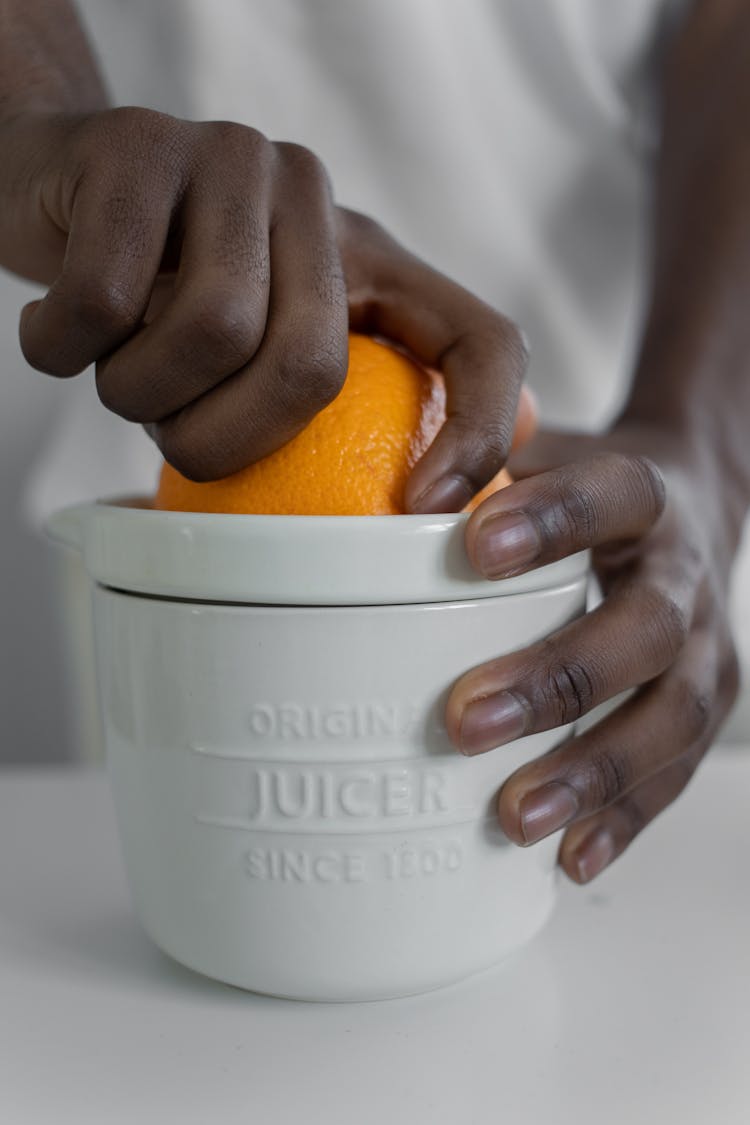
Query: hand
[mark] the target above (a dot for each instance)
(661, 548)
(207, 273)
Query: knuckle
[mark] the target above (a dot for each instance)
(358, 232)
(695, 706)
(140, 147)
(130, 120)
(479, 451)
(581, 513)
(635, 815)
(641, 805)
(104, 308)
(670, 620)
(567, 690)
(146, 136)
(227, 329)
(515, 343)
(648, 480)
(303, 164)
(316, 379)
(360, 228)
(237, 140)
(609, 776)
(575, 514)
(190, 449)
(487, 448)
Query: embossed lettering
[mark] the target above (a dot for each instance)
(258, 794)
(287, 801)
(396, 793)
(295, 865)
(326, 868)
(299, 866)
(291, 722)
(327, 806)
(412, 860)
(348, 795)
(338, 722)
(432, 795)
(293, 793)
(263, 720)
(384, 719)
(255, 864)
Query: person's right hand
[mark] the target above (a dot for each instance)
(209, 276)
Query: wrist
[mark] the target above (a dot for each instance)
(693, 458)
(690, 387)
(37, 178)
(47, 66)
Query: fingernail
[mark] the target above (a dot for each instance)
(506, 543)
(491, 722)
(546, 810)
(595, 853)
(447, 494)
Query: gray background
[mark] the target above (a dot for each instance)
(32, 690)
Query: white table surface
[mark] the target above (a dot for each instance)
(632, 1007)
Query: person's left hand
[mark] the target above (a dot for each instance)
(662, 541)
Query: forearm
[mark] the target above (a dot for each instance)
(46, 64)
(693, 373)
(48, 80)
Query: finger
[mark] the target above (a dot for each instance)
(594, 844)
(638, 740)
(481, 354)
(118, 232)
(214, 322)
(630, 638)
(301, 363)
(526, 421)
(544, 518)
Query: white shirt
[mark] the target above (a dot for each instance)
(507, 143)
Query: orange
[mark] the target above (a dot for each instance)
(353, 458)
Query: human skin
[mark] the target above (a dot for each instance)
(208, 275)
(660, 498)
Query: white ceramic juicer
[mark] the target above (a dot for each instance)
(294, 819)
